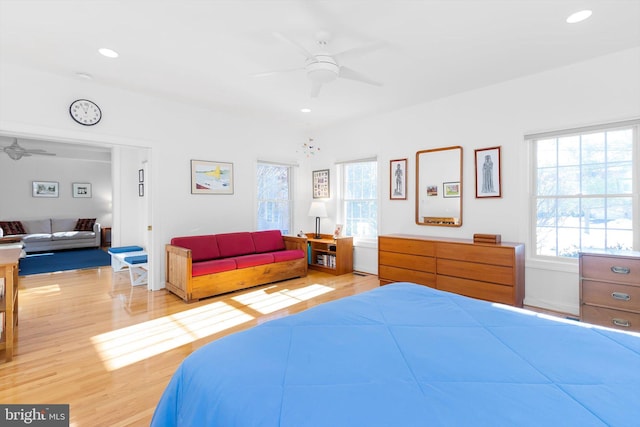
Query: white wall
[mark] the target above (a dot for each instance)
(597, 91)
(18, 203)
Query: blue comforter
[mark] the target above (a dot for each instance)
(407, 355)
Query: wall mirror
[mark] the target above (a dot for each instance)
(439, 187)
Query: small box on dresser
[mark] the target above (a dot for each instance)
(610, 289)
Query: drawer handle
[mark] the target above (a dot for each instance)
(620, 270)
(621, 322)
(620, 296)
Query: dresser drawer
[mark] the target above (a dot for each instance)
(476, 271)
(395, 274)
(610, 268)
(476, 289)
(407, 246)
(617, 319)
(412, 262)
(489, 254)
(612, 295)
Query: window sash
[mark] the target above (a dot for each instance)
(584, 200)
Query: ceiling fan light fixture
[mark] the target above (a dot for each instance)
(323, 70)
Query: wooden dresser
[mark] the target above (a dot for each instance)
(610, 289)
(492, 272)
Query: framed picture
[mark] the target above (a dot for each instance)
(337, 232)
(488, 176)
(321, 184)
(398, 179)
(81, 189)
(208, 177)
(141, 190)
(45, 189)
(140, 175)
(432, 190)
(450, 189)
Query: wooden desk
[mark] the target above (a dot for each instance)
(9, 300)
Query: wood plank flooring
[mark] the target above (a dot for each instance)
(88, 339)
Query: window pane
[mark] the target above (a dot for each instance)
(361, 199)
(583, 195)
(273, 194)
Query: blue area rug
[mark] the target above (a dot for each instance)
(75, 259)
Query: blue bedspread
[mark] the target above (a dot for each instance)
(406, 355)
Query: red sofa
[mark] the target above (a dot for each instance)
(202, 266)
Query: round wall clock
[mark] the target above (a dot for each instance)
(85, 112)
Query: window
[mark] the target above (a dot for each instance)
(359, 199)
(583, 190)
(274, 197)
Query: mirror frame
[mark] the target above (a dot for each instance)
(438, 221)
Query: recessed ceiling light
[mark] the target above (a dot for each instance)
(579, 16)
(109, 53)
(305, 110)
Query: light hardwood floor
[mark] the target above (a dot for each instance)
(88, 339)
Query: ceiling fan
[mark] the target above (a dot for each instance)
(323, 67)
(16, 152)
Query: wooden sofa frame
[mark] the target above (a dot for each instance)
(191, 289)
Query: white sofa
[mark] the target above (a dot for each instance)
(55, 234)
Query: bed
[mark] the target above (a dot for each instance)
(408, 355)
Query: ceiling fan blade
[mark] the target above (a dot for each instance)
(357, 51)
(272, 72)
(298, 46)
(39, 153)
(348, 73)
(315, 89)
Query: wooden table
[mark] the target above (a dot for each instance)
(9, 300)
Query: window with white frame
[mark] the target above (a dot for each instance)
(274, 189)
(585, 190)
(359, 199)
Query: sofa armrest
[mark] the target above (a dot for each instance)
(178, 270)
(295, 242)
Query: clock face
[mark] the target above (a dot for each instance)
(85, 112)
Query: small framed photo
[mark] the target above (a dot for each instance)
(45, 189)
(337, 232)
(81, 189)
(488, 174)
(451, 189)
(209, 177)
(398, 179)
(321, 184)
(432, 190)
(140, 175)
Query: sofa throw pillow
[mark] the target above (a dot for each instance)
(85, 224)
(12, 227)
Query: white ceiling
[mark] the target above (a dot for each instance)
(205, 52)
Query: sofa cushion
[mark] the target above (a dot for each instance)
(288, 255)
(267, 241)
(12, 227)
(37, 226)
(64, 224)
(235, 244)
(252, 260)
(202, 247)
(85, 224)
(36, 237)
(212, 266)
(73, 235)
